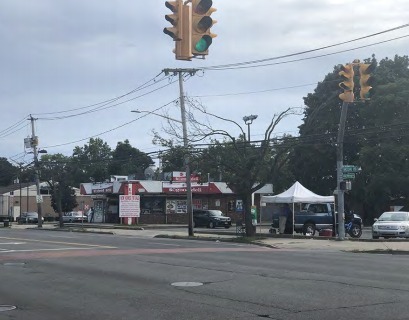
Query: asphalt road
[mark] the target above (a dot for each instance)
(68, 275)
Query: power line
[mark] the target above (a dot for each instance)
(106, 101)
(230, 66)
(13, 126)
(107, 106)
(302, 59)
(110, 130)
(260, 91)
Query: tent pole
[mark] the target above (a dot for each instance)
(293, 220)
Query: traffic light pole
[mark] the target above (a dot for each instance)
(340, 156)
(189, 208)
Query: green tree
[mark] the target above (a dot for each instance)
(127, 160)
(91, 161)
(375, 139)
(246, 167)
(7, 172)
(56, 171)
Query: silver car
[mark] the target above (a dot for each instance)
(74, 216)
(391, 224)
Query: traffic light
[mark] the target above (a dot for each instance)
(202, 38)
(365, 70)
(175, 19)
(347, 71)
(180, 30)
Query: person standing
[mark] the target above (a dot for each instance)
(285, 215)
(92, 215)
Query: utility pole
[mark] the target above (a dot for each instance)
(189, 208)
(340, 164)
(34, 143)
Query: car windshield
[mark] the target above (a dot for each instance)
(32, 214)
(216, 213)
(394, 216)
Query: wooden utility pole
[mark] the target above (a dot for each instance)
(189, 208)
(39, 199)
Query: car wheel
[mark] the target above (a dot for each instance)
(212, 225)
(308, 230)
(375, 237)
(194, 224)
(227, 227)
(356, 231)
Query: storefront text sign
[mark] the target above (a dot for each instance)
(129, 206)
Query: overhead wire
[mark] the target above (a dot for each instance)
(228, 66)
(104, 107)
(225, 67)
(142, 86)
(13, 126)
(112, 129)
(303, 59)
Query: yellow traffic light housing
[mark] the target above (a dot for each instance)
(365, 80)
(175, 32)
(181, 28)
(347, 71)
(201, 23)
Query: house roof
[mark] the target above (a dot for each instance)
(14, 187)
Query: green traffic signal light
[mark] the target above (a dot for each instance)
(203, 44)
(202, 38)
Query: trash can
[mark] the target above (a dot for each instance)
(6, 222)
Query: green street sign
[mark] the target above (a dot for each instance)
(348, 176)
(350, 169)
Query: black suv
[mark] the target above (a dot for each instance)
(210, 219)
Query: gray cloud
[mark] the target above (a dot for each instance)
(59, 55)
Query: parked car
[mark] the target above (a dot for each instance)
(73, 216)
(316, 217)
(210, 219)
(391, 224)
(28, 217)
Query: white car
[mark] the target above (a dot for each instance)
(73, 216)
(391, 224)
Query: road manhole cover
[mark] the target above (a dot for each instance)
(187, 284)
(7, 308)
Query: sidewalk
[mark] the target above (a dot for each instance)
(398, 246)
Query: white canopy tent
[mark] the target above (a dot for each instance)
(297, 193)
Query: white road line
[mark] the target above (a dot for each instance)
(12, 243)
(38, 250)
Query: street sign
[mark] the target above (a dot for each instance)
(348, 176)
(39, 199)
(129, 206)
(350, 169)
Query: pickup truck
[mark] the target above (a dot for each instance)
(314, 217)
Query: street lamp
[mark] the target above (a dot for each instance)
(248, 120)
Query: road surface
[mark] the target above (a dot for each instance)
(68, 275)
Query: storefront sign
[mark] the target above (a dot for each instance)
(102, 190)
(181, 188)
(129, 206)
(179, 176)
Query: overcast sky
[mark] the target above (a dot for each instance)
(62, 55)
